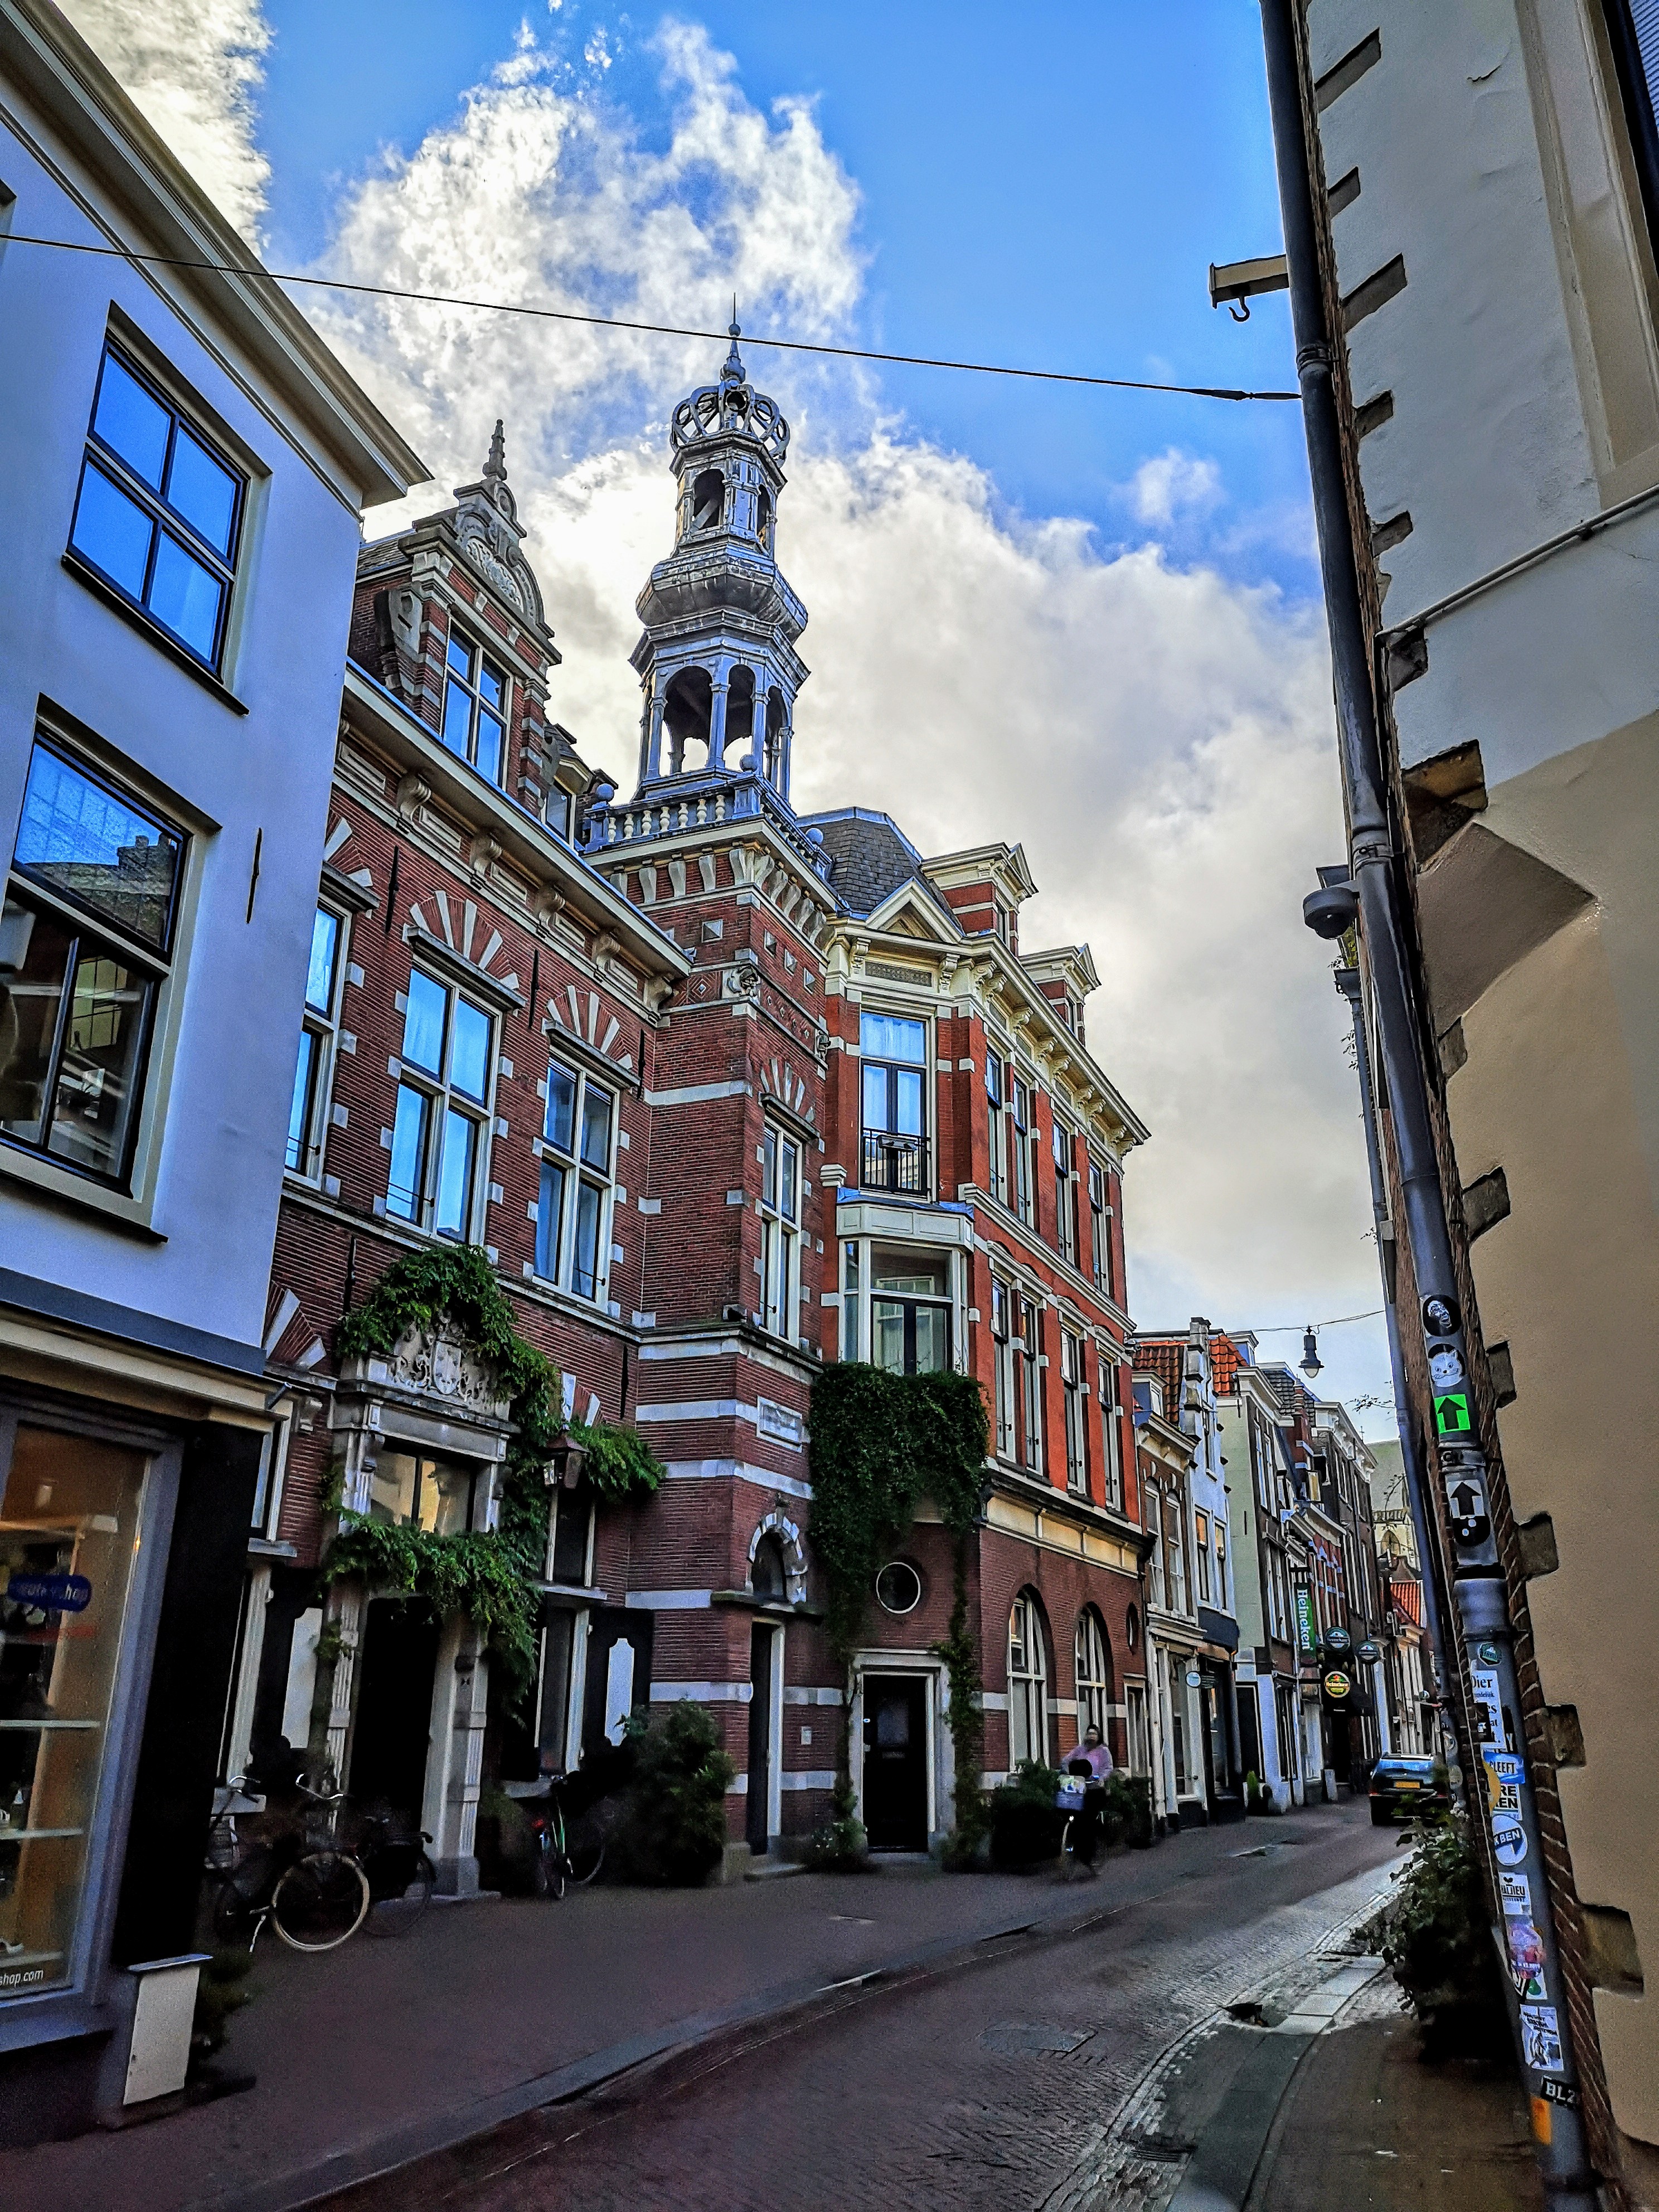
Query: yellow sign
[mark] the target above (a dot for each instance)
(1337, 1686)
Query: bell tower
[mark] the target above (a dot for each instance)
(717, 661)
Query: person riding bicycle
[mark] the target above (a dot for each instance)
(1092, 1763)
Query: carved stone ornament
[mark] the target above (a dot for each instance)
(441, 1365)
(487, 531)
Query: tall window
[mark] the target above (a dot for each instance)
(1064, 1192)
(573, 1210)
(780, 1233)
(1028, 1683)
(1135, 1728)
(1002, 1341)
(1221, 1564)
(475, 708)
(851, 1288)
(1112, 1430)
(1279, 1619)
(439, 1496)
(909, 1312)
(996, 1104)
(438, 1137)
(1201, 1555)
(1157, 1580)
(894, 1077)
(324, 976)
(1175, 1556)
(1100, 1231)
(1094, 1673)
(77, 1003)
(159, 511)
(1070, 1379)
(1031, 1382)
(1021, 1143)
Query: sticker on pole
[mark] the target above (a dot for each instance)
(1540, 2040)
(1515, 1895)
(1452, 1417)
(1526, 1959)
(1508, 1840)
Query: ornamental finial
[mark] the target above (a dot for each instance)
(495, 468)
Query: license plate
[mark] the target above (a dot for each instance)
(1408, 1785)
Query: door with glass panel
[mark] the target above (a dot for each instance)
(894, 1088)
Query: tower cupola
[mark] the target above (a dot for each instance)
(717, 660)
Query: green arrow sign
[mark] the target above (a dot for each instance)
(1451, 1414)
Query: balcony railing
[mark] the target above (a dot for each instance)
(895, 1163)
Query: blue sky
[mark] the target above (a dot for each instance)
(1046, 190)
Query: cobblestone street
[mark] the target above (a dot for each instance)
(996, 2083)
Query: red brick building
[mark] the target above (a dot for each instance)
(723, 1092)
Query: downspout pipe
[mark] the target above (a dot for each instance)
(1538, 1999)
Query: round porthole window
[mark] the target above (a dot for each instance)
(1132, 1628)
(898, 1587)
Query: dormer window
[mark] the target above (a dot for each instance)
(475, 708)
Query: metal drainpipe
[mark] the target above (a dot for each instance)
(1539, 2012)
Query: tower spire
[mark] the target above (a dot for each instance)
(495, 468)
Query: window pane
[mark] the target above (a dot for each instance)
(549, 1219)
(453, 1214)
(403, 1195)
(585, 1267)
(203, 492)
(875, 1097)
(451, 1497)
(112, 531)
(789, 1179)
(887, 1036)
(596, 1127)
(887, 1334)
(491, 741)
(770, 1168)
(933, 1339)
(492, 685)
(460, 654)
(918, 1273)
(34, 956)
(908, 1120)
(98, 1068)
(393, 1487)
(423, 1023)
(187, 597)
(468, 1050)
(319, 976)
(131, 422)
(97, 848)
(561, 1108)
(458, 717)
(298, 1112)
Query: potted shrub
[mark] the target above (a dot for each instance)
(1026, 1825)
(673, 1828)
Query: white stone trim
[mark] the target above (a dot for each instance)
(713, 1470)
(702, 1693)
(808, 1777)
(669, 1600)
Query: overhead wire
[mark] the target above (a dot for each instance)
(656, 329)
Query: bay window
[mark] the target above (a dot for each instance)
(894, 1083)
(909, 1312)
(439, 1131)
(780, 1233)
(309, 1105)
(574, 1208)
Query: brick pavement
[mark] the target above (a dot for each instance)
(991, 2086)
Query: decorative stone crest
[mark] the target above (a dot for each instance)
(441, 1365)
(489, 532)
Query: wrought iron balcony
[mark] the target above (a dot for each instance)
(895, 1163)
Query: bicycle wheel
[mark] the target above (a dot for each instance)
(402, 1881)
(319, 1902)
(240, 1897)
(548, 1872)
(584, 1848)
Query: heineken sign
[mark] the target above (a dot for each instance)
(1304, 1618)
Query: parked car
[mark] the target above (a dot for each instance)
(1406, 1789)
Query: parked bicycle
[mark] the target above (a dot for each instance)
(567, 1851)
(314, 1890)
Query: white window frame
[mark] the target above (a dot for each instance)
(320, 1024)
(1093, 1675)
(1100, 1229)
(576, 1172)
(1136, 1732)
(470, 687)
(780, 1233)
(1201, 1574)
(1028, 1683)
(1002, 1343)
(996, 1115)
(442, 1101)
(1066, 1181)
(1073, 1397)
(1111, 1430)
(1022, 1142)
(1028, 1347)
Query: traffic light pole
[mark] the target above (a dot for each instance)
(1538, 1995)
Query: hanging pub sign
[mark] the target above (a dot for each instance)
(1337, 1686)
(1305, 1622)
(1368, 1654)
(1338, 1642)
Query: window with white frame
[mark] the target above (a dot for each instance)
(1002, 1342)
(851, 1293)
(1031, 1380)
(1157, 1584)
(1094, 1673)
(1201, 1556)
(1111, 1430)
(1279, 1616)
(474, 707)
(1100, 1231)
(909, 1310)
(573, 1209)
(1175, 1556)
(86, 949)
(894, 1088)
(1221, 1564)
(1065, 1192)
(1028, 1683)
(1071, 1381)
(780, 1208)
(1135, 1728)
(1021, 1143)
(307, 1110)
(440, 1130)
(996, 1105)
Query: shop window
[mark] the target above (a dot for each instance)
(307, 1113)
(1094, 1673)
(1028, 1683)
(573, 1213)
(158, 510)
(475, 708)
(85, 941)
(440, 1130)
(909, 1310)
(894, 1080)
(408, 1491)
(780, 1208)
(69, 1535)
(1002, 1300)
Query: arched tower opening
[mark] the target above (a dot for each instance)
(740, 711)
(688, 714)
(708, 500)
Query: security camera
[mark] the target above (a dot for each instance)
(1332, 910)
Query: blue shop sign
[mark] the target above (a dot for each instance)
(56, 1593)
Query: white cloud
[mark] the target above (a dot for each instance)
(1158, 737)
(194, 67)
(1172, 483)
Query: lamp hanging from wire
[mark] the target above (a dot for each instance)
(1311, 1361)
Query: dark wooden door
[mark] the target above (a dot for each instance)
(760, 1736)
(392, 1734)
(895, 1762)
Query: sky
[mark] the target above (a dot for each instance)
(1085, 620)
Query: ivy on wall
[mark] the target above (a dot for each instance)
(880, 1443)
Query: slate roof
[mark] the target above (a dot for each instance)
(871, 856)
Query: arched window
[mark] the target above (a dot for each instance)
(774, 718)
(740, 710)
(1028, 1682)
(764, 519)
(767, 1576)
(687, 713)
(1094, 1672)
(708, 500)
